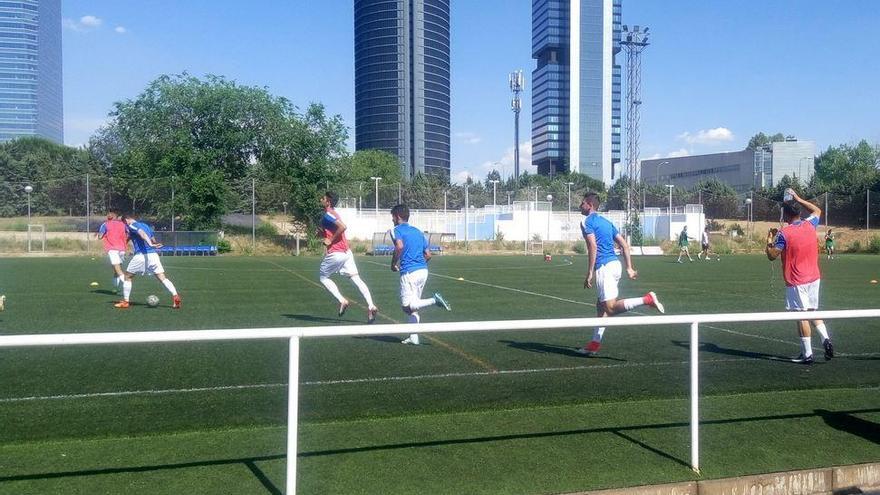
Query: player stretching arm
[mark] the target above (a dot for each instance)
(795, 243)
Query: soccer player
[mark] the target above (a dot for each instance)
(410, 258)
(114, 235)
(829, 244)
(601, 236)
(338, 258)
(796, 243)
(683, 244)
(144, 262)
(704, 244)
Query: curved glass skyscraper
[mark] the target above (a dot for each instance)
(401, 60)
(31, 101)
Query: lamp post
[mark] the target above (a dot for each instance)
(399, 193)
(549, 214)
(284, 219)
(657, 171)
(494, 210)
(749, 202)
(670, 186)
(376, 180)
(29, 189)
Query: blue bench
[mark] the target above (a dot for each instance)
(188, 250)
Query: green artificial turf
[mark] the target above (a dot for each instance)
(79, 397)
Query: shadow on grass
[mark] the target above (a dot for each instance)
(541, 348)
(615, 430)
(727, 351)
(249, 462)
(105, 292)
(388, 339)
(316, 319)
(846, 422)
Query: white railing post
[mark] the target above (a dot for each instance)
(695, 397)
(292, 414)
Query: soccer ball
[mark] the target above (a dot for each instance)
(152, 301)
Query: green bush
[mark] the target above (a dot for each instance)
(736, 228)
(579, 248)
(854, 247)
(224, 246)
(874, 245)
(266, 229)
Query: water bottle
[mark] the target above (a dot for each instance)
(789, 194)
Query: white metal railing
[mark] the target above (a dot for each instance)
(294, 335)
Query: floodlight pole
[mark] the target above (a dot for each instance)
(284, 218)
(868, 213)
(670, 186)
(549, 215)
(29, 189)
(517, 83)
(254, 214)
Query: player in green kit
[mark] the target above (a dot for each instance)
(683, 244)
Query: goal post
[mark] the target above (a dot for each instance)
(36, 235)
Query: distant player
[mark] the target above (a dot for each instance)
(829, 244)
(601, 236)
(144, 262)
(114, 235)
(796, 243)
(683, 240)
(704, 245)
(411, 255)
(338, 258)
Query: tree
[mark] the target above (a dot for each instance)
(211, 134)
(760, 139)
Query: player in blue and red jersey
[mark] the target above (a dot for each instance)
(339, 259)
(145, 261)
(796, 244)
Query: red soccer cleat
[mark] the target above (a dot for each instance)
(175, 302)
(591, 349)
(122, 305)
(651, 300)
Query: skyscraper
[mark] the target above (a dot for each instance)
(576, 87)
(31, 101)
(401, 65)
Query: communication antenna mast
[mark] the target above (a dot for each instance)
(517, 83)
(634, 41)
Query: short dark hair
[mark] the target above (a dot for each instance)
(401, 212)
(790, 209)
(332, 197)
(592, 198)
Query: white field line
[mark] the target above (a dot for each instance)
(383, 379)
(171, 391)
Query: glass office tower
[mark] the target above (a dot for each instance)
(576, 87)
(402, 82)
(31, 100)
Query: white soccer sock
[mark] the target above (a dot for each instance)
(414, 317)
(331, 286)
(414, 338)
(822, 331)
(126, 289)
(422, 303)
(633, 302)
(365, 291)
(806, 347)
(168, 285)
(597, 333)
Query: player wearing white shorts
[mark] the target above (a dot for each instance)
(604, 267)
(796, 243)
(339, 259)
(411, 255)
(144, 262)
(114, 236)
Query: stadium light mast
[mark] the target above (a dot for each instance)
(517, 84)
(494, 203)
(670, 186)
(634, 41)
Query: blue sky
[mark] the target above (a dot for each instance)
(715, 73)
